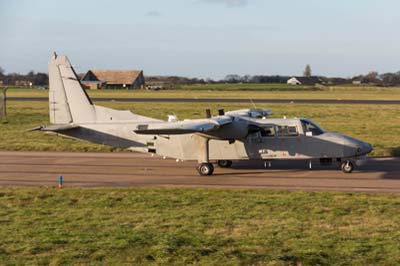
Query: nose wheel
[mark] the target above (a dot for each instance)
(205, 169)
(347, 167)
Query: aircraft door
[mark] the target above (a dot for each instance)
(291, 144)
(270, 142)
(253, 143)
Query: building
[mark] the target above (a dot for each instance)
(293, 81)
(308, 81)
(161, 82)
(113, 79)
(23, 83)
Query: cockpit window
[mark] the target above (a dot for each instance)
(255, 114)
(309, 126)
(287, 131)
(268, 131)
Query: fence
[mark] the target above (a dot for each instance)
(3, 102)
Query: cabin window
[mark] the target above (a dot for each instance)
(309, 126)
(268, 131)
(287, 131)
(255, 114)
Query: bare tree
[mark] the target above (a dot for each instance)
(307, 71)
(371, 78)
(232, 78)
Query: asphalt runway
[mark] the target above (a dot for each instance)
(219, 100)
(133, 169)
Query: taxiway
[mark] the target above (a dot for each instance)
(133, 169)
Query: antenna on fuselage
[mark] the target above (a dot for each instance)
(252, 102)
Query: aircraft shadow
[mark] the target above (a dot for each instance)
(389, 166)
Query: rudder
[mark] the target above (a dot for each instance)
(68, 101)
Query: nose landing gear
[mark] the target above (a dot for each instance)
(347, 167)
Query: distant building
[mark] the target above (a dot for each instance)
(308, 81)
(336, 81)
(23, 83)
(161, 82)
(113, 79)
(293, 81)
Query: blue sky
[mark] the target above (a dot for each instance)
(203, 38)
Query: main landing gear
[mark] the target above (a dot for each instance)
(205, 169)
(208, 168)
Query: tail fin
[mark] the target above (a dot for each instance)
(68, 101)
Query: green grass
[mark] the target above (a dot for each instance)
(147, 226)
(249, 87)
(231, 91)
(376, 124)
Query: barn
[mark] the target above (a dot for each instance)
(113, 79)
(308, 81)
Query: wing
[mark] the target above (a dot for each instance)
(183, 127)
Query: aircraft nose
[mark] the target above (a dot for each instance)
(363, 148)
(357, 147)
(367, 148)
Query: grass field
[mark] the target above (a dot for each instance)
(146, 226)
(206, 91)
(248, 87)
(376, 124)
(149, 226)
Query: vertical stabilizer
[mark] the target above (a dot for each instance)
(68, 101)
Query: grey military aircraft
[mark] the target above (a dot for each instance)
(247, 134)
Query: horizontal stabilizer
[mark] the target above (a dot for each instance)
(54, 128)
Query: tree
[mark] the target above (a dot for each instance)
(40, 79)
(232, 78)
(371, 78)
(390, 79)
(1, 72)
(307, 71)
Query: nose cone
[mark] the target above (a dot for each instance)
(360, 147)
(366, 148)
(355, 147)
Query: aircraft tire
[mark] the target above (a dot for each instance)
(224, 163)
(205, 169)
(347, 167)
